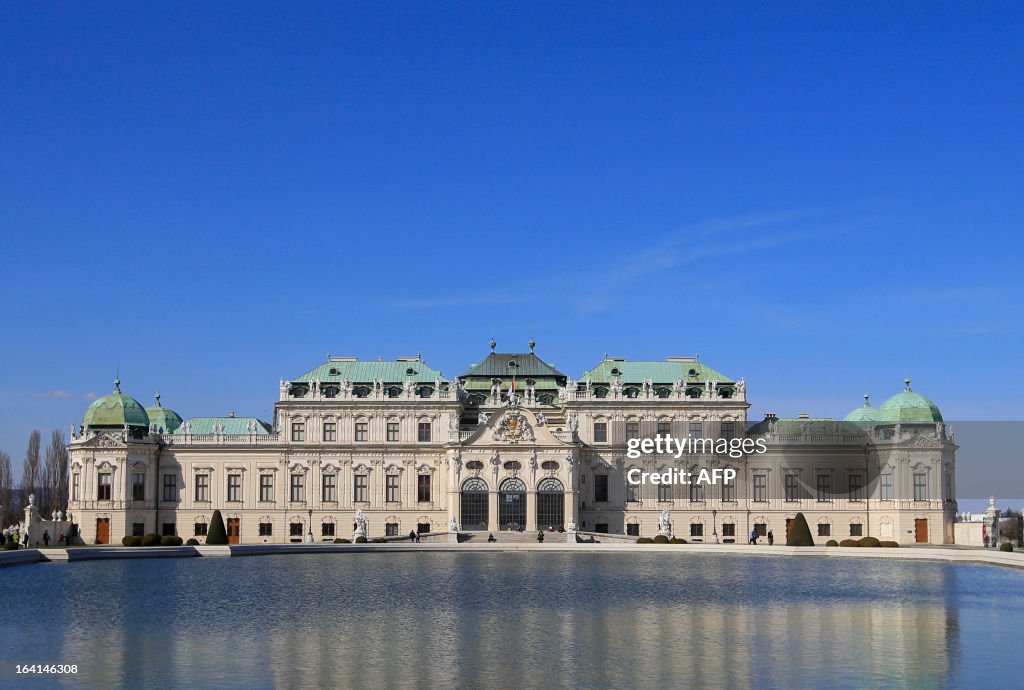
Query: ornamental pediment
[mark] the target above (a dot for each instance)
(920, 443)
(513, 426)
(104, 441)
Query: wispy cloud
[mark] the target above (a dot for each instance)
(62, 395)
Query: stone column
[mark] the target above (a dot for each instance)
(531, 510)
(492, 510)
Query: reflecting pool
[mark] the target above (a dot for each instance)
(529, 619)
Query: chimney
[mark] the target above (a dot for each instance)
(770, 415)
(804, 415)
(231, 413)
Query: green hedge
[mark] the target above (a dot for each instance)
(11, 546)
(676, 540)
(131, 541)
(192, 542)
(1008, 547)
(661, 539)
(849, 542)
(889, 544)
(151, 540)
(869, 542)
(799, 532)
(644, 540)
(217, 535)
(831, 542)
(170, 540)
(339, 540)
(360, 540)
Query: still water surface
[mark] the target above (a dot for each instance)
(530, 619)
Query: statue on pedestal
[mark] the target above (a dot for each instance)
(360, 530)
(665, 524)
(452, 525)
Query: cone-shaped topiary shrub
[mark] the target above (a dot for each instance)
(849, 542)
(661, 539)
(339, 540)
(1008, 547)
(217, 535)
(360, 540)
(889, 544)
(868, 541)
(831, 542)
(644, 540)
(151, 540)
(799, 532)
(192, 542)
(131, 541)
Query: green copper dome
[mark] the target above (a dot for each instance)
(909, 407)
(116, 410)
(864, 413)
(163, 420)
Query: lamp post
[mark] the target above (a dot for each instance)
(309, 534)
(714, 526)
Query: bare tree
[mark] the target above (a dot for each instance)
(30, 470)
(55, 474)
(7, 509)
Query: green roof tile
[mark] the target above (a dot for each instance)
(658, 372)
(232, 425)
(497, 366)
(357, 371)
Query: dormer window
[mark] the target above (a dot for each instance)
(693, 372)
(600, 392)
(394, 392)
(361, 392)
(333, 372)
(615, 371)
(410, 372)
(632, 392)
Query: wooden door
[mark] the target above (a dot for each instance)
(102, 530)
(234, 529)
(921, 531)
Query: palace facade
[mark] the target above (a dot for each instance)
(512, 443)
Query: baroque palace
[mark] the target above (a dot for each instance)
(512, 443)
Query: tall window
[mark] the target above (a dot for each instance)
(298, 431)
(920, 489)
(792, 488)
(330, 431)
(202, 487)
(949, 486)
(423, 432)
(632, 430)
(391, 488)
(170, 487)
(76, 486)
(728, 430)
(601, 488)
(329, 486)
(359, 488)
(234, 487)
(696, 429)
(729, 492)
(138, 486)
(393, 431)
(664, 492)
(600, 432)
(103, 487)
(760, 488)
(266, 488)
(664, 428)
(697, 493)
(298, 488)
(362, 431)
(631, 494)
(824, 487)
(423, 488)
(856, 487)
(885, 488)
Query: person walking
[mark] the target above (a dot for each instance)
(753, 536)
(46, 537)
(412, 535)
(771, 538)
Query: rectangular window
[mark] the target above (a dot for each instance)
(391, 488)
(761, 529)
(266, 488)
(856, 529)
(632, 430)
(920, 490)
(696, 429)
(697, 493)
(138, 486)
(76, 486)
(824, 529)
(266, 529)
(423, 432)
(393, 434)
(824, 488)
(298, 488)
(201, 529)
(728, 430)
(295, 529)
(362, 431)
(664, 492)
(728, 529)
(631, 493)
(600, 432)
(170, 487)
(327, 529)
(949, 486)
(359, 487)
(696, 529)
(792, 488)
(664, 428)
(391, 529)
(728, 492)
(329, 488)
(422, 527)
(202, 488)
(169, 529)
(601, 488)
(138, 529)
(760, 488)
(234, 487)
(885, 488)
(856, 487)
(104, 486)
(298, 431)
(633, 529)
(330, 431)
(423, 488)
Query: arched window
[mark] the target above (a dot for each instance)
(512, 504)
(473, 513)
(550, 504)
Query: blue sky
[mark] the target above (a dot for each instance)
(821, 198)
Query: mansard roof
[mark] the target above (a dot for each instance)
(686, 368)
(358, 371)
(527, 364)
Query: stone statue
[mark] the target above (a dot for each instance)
(541, 419)
(452, 525)
(572, 525)
(409, 385)
(31, 499)
(741, 387)
(664, 524)
(361, 523)
(484, 417)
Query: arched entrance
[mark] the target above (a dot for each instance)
(550, 504)
(512, 504)
(473, 512)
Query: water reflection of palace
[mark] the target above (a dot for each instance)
(511, 443)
